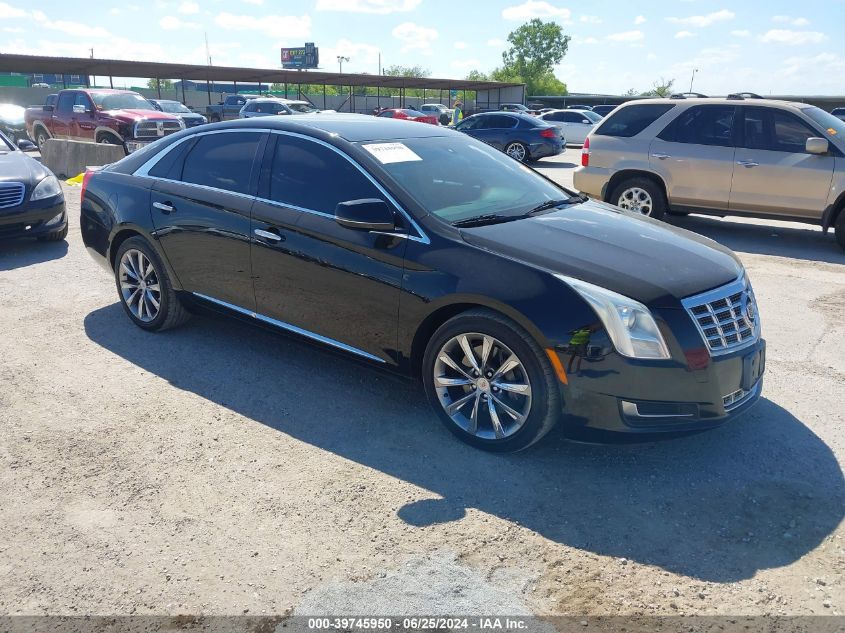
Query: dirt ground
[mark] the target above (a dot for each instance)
(222, 469)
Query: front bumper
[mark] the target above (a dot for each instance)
(33, 219)
(614, 393)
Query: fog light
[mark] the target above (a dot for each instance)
(56, 219)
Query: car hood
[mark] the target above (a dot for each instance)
(137, 115)
(647, 260)
(18, 167)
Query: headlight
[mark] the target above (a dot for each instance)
(628, 322)
(204, 120)
(47, 188)
(182, 125)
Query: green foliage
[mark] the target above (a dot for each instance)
(406, 71)
(661, 88)
(166, 84)
(631, 92)
(477, 75)
(536, 47)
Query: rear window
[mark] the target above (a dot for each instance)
(631, 120)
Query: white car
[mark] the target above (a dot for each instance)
(576, 124)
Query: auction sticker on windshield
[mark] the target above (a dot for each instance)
(391, 152)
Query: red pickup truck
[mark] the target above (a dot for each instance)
(119, 117)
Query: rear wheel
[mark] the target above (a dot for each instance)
(144, 287)
(640, 195)
(215, 118)
(840, 228)
(517, 151)
(490, 383)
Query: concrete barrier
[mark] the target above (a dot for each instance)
(70, 158)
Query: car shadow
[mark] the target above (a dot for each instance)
(765, 239)
(758, 493)
(18, 253)
(553, 164)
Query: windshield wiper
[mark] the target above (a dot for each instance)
(551, 204)
(481, 220)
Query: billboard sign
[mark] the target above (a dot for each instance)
(307, 56)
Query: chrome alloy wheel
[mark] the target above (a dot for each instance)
(637, 200)
(139, 285)
(482, 386)
(516, 151)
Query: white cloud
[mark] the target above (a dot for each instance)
(626, 36)
(368, 6)
(786, 19)
(531, 9)
(70, 28)
(255, 2)
(415, 37)
(271, 25)
(8, 11)
(461, 45)
(640, 19)
(495, 42)
(172, 23)
(792, 38)
(587, 40)
(700, 21)
(466, 64)
(13, 29)
(361, 56)
(189, 8)
(741, 33)
(680, 35)
(590, 19)
(651, 56)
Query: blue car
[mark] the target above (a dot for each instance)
(520, 136)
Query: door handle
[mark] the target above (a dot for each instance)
(747, 163)
(661, 156)
(164, 207)
(269, 235)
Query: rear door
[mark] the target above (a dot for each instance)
(575, 130)
(774, 173)
(201, 211)
(694, 155)
(62, 119)
(495, 129)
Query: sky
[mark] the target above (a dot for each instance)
(768, 47)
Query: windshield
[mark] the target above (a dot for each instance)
(834, 127)
(120, 101)
(304, 108)
(174, 106)
(589, 114)
(456, 178)
(5, 143)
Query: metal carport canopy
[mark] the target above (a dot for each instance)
(159, 70)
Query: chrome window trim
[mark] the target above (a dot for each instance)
(144, 171)
(740, 284)
(291, 328)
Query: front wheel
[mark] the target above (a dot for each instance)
(490, 383)
(517, 151)
(41, 137)
(144, 287)
(640, 195)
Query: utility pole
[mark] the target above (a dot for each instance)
(379, 63)
(95, 76)
(694, 70)
(340, 60)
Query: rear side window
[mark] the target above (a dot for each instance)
(631, 120)
(223, 161)
(703, 125)
(301, 169)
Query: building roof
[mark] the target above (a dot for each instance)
(159, 70)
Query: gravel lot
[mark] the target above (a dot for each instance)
(223, 469)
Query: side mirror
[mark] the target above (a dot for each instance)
(48, 108)
(367, 214)
(587, 121)
(816, 145)
(27, 146)
(79, 109)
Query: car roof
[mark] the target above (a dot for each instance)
(796, 105)
(351, 127)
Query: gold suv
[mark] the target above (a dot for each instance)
(726, 156)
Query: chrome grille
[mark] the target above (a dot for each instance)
(149, 128)
(11, 194)
(726, 317)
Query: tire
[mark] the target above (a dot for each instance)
(517, 151)
(54, 236)
(41, 137)
(840, 228)
(170, 312)
(540, 409)
(215, 118)
(108, 139)
(635, 193)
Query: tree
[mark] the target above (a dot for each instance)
(406, 71)
(536, 47)
(477, 75)
(661, 88)
(631, 92)
(166, 84)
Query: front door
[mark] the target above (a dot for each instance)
(84, 122)
(773, 173)
(321, 279)
(62, 118)
(695, 156)
(201, 211)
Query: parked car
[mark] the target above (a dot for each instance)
(179, 109)
(575, 124)
(604, 110)
(31, 200)
(269, 106)
(838, 113)
(409, 115)
(520, 136)
(576, 106)
(435, 256)
(12, 122)
(118, 117)
(755, 158)
(516, 107)
(443, 113)
(228, 109)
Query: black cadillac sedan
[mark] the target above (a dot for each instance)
(516, 302)
(31, 200)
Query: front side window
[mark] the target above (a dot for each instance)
(500, 122)
(223, 161)
(82, 100)
(302, 108)
(471, 123)
(790, 133)
(301, 170)
(703, 125)
(65, 103)
(387, 114)
(631, 120)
